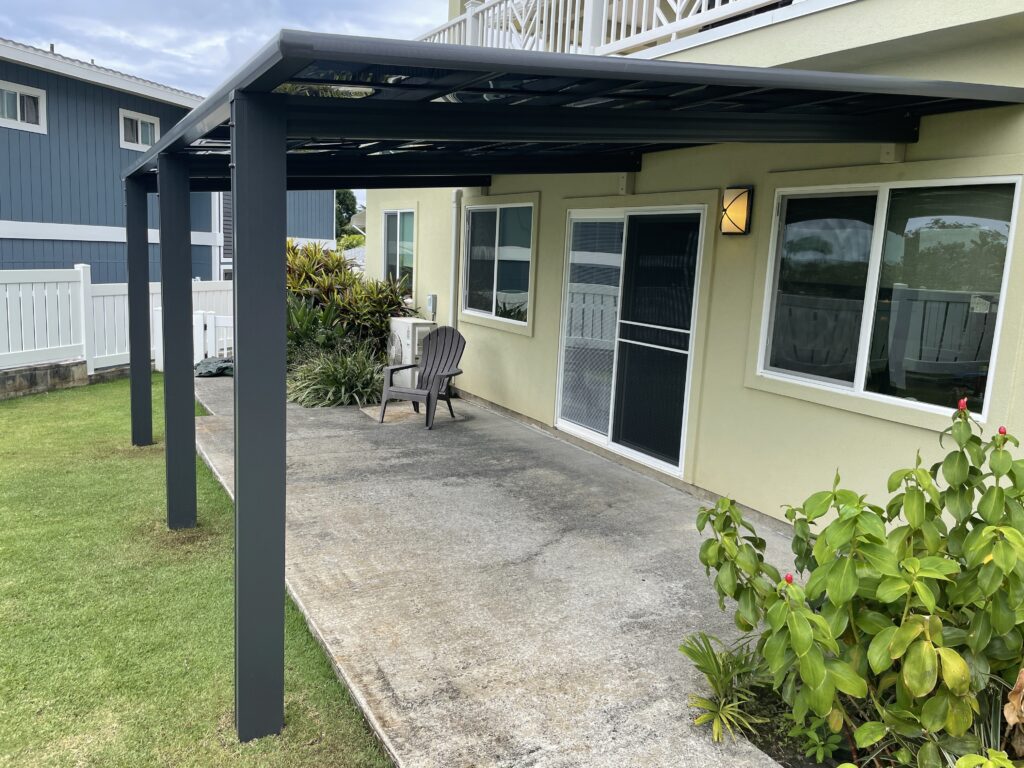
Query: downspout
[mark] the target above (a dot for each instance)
(453, 289)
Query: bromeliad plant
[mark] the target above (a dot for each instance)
(907, 632)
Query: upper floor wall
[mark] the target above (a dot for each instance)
(71, 173)
(760, 33)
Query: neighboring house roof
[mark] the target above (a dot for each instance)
(92, 73)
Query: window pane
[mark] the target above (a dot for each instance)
(515, 239)
(30, 109)
(823, 254)
(480, 272)
(661, 266)
(391, 246)
(595, 261)
(938, 292)
(405, 248)
(9, 105)
(131, 131)
(146, 133)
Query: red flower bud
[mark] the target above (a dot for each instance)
(789, 578)
(962, 405)
(1002, 430)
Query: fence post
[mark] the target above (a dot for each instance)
(595, 15)
(211, 334)
(158, 339)
(198, 336)
(88, 339)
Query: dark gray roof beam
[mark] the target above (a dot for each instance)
(364, 119)
(432, 164)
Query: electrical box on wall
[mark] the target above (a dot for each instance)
(432, 305)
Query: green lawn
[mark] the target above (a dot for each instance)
(116, 635)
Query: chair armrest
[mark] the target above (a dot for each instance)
(449, 373)
(390, 370)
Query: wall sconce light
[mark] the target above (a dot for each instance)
(737, 203)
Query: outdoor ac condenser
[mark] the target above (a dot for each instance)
(407, 334)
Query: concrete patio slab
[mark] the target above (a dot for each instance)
(492, 595)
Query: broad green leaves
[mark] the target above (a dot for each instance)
(799, 633)
(920, 668)
(913, 607)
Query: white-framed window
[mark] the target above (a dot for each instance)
(22, 108)
(399, 248)
(890, 291)
(499, 253)
(138, 131)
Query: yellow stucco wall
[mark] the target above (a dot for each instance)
(766, 443)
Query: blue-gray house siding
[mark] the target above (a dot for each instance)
(311, 215)
(72, 175)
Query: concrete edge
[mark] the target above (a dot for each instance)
(777, 527)
(314, 629)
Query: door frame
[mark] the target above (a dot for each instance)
(698, 319)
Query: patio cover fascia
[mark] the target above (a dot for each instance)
(387, 113)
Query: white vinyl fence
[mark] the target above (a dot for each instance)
(55, 315)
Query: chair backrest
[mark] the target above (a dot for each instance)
(442, 351)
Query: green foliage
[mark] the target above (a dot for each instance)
(345, 207)
(731, 673)
(819, 742)
(910, 620)
(347, 242)
(995, 759)
(329, 302)
(349, 375)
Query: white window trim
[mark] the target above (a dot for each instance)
(25, 90)
(384, 243)
(605, 440)
(856, 390)
(122, 114)
(493, 315)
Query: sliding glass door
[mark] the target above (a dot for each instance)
(630, 293)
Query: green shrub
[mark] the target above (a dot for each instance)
(349, 375)
(732, 673)
(345, 242)
(908, 630)
(330, 302)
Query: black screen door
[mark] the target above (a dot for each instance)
(653, 341)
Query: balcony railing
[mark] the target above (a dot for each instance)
(601, 27)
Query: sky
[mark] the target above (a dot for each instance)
(196, 44)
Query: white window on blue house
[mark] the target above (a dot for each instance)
(891, 290)
(138, 131)
(499, 250)
(22, 108)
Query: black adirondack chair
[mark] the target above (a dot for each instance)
(442, 351)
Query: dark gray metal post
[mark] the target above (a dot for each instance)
(176, 311)
(136, 209)
(258, 183)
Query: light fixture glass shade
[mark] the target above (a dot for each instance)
(736, 208)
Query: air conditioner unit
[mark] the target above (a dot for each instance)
(406, 346)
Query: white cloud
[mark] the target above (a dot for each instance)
(197, 44)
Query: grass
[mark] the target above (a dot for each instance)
(116, 645)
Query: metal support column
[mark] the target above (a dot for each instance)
(258, 184)
(176, 304)
(136, 210)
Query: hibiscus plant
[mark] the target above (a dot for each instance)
(904, 632)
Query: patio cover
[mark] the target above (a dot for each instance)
(317, 111)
